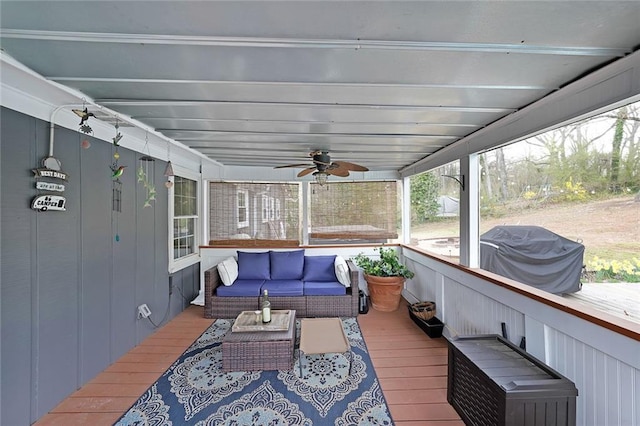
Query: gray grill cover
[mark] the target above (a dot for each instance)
(534, 256)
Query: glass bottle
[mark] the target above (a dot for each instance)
(265, 305)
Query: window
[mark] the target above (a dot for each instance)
(354, 212)
(265, 208)
(580, 181)
(272, 208)
(184, 219)
(269, 212)
(243, 208)
(435, 212)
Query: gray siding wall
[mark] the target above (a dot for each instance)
(68, 291)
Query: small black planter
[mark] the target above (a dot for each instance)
(433, 327)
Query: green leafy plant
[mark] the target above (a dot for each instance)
(388, 265)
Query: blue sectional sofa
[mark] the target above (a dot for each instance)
(315, 286)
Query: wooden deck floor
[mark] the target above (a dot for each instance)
(411, 367)
(619, 299)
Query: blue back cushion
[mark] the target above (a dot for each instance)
(319, 268)
(286, 265)
(253, 266)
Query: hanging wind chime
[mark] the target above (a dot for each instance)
(146, 174)
(84, 115)
(116, 187)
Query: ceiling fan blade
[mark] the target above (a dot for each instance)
(338, 171)
(292, 165)
(306, 171)
(351, 166)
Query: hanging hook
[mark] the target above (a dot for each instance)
(460, 181)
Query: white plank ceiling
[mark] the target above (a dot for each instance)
(261, 84)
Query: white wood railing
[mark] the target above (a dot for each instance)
(600, 353)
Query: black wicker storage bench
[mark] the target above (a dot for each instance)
(493, 382)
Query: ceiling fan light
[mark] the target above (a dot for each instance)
(321, 178)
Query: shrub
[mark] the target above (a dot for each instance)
(387, 266)
(614, 270)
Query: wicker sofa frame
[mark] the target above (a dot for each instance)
(305, 306)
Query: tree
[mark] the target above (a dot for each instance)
(424, 197)
(616, 148)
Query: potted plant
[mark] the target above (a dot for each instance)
(385, 278)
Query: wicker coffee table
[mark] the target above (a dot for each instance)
(260, 350)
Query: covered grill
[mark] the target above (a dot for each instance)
(534, 256)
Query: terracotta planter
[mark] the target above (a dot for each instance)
(385, 292)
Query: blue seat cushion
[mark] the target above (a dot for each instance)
(241, 288)
(286, 265)
(283, 287)
(324, 288)
(253, 266)
(319, 268)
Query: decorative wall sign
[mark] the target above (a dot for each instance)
(52, 169)
(48, 186)
(49, 202)
(44, 202)
(49, 173)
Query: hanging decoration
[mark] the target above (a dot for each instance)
(45, 201)
(116, 206)
(146, 174)
(50, 182)
(116, 186)
(116, 169)
(168, 171)
(84, 115)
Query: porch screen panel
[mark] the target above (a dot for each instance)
(241, 211)
(353, 212)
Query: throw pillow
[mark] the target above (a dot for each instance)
(342, 271)
(228, 271)
(287, 265)
(319, 268)
(253, 266)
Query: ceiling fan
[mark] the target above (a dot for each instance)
(323, 167)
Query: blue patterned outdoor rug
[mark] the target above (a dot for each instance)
(195, 390)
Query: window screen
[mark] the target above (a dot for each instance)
(253, 211)
(345, 212)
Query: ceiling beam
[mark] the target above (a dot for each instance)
(309, 134)
(267, 42)
(301, 84)
(169, 103)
